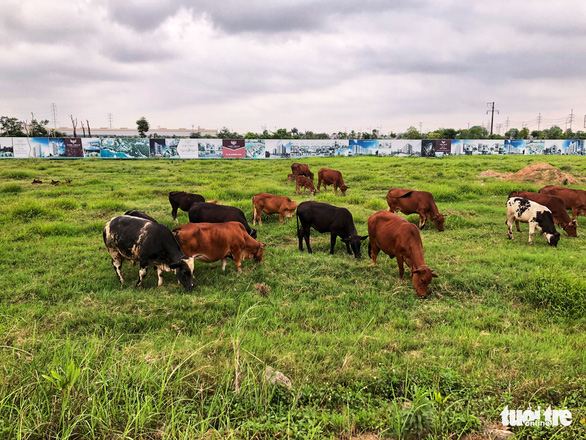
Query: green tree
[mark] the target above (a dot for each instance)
(142, 125)
(11, 127)
(538, 134)
(554, 132)
(513, 133)
(37, 128)
(225, 133)
(411, 133)
(251, 135)
(524, 133)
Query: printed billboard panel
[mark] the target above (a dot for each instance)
(187, 149)
(399, 148)
(23, 147)
(91, 147)
(135, 148)
(443, 147)
(277, 148)
(6, 148)
(319, 148)
(515, 146)
(233, 148)
(428, 148)
(209, 148)
(363, 147)
(163, 148)
(73, 147)
(472, 147)
(256, 149)
(562, 147)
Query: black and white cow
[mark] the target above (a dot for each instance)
(135, 238)
(212, 213)
(538, 216)
(327, 218)
(141, 214)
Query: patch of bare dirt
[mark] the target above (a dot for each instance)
(538, 172)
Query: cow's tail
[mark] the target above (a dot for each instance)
(369, 250)
(298, 232)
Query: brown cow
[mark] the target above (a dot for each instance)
(290, 178)
(37, 181)
(305, 183)
(557, 207)
(301, 169)
(272, 204)
(210, 242)
(575, 199)
(55, 182)
(331, 177)
(409, 201)
(396, 237)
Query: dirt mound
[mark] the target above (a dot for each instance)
(538, 172)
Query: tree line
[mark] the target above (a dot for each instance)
(13, 127)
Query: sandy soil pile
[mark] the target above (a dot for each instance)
(538, 172)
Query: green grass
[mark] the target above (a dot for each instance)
(83, 357)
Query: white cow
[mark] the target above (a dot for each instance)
(538, 216)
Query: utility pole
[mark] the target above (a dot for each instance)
(492, 110)
(110, 117)
(54, 113)
(571, 118)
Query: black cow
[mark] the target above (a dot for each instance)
(134, 238)
(327, 218)
(183, 200)
(137, 213)
(212, 213)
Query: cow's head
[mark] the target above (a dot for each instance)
(310, 175)
(571, 228)
(438, 221)
(184, 271)
(355, 241)
(290, 208)
(290, 177)
(260, 251)
(312, 189)
(252, 233)
(343, 188)
(552, 239)
(422, 277)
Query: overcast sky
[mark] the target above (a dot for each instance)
(324, 66)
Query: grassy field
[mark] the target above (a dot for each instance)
(83, 357)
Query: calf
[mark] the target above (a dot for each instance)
(37, 181)
(327, 218)
(183, 200)
(575, 199)
(557, 207)
(131, 237)
(301, 169)
(210, 242)
(305, 183)
(290, 178)
(396, 237)
(538, 216)
(212, 213)
(272, 204)
(409, 201)
(331, 177)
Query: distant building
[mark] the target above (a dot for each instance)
(124, 131)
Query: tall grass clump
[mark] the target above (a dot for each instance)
(11, 188)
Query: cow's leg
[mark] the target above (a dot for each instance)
(159, 276)
(400, 263)
(319, 184)
(335, 189)
(236, 253)
(517, 224)
(422, 220)
(575, 213)
(348, 248)
(332, 242)
(306, 232)
(373, 251)
(224, 262)
(142, 272)
(300, 235)
(117, 260)
(297, 189)
(509, 223)
(174, 209)
(253, 215)
(531, 231)
(259, 212)
(281, 217)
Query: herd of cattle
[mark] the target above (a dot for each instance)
(217, 232)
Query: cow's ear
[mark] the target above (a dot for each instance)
(345, 240)
(434, 275)
(364, 237)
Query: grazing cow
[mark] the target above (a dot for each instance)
(538, 216)
(557, 207)
(396, 237)
(301, 169)
(68, 181)
(183, 200)
(409, 201)
(37, 181)
(210, 242)
(272, 204)
(575, 199)
(131, 237)
(212, 213)
(331, 177)
(305, 183)
(291, 178)
(327, 218)
(55, 182)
